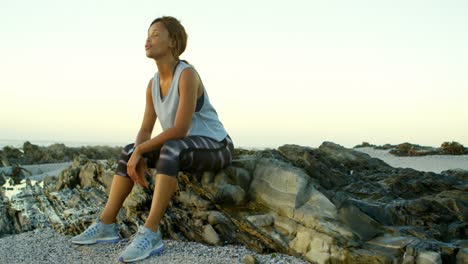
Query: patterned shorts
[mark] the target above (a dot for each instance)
(190, 154)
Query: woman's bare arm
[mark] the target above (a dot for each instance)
(149, 118)
(188, 84)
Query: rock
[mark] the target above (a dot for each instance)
(261, 220)
(106, 179)
(290, 192)
(364, 144)
(221, 178)
(462, 256)
(249, 259)
(6, 227)
(89, 174)
(310, 161)
(453, 148)
(55, 153)
(408, 149)
(239, 176)
(49, 180)
(301, 242)
(407, 259)
(285, 225)
(322, 248)
(395, 242)
(215, 217)
(191, 199)
(210, 235)
(359, 222)
(207, 177)
(429, 257)
(68, 178)
(227, 194)
(246, 161)
(373, 254)
(286, 189)
(2, 179)
(459, 174)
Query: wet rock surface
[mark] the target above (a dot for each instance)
(324, 205)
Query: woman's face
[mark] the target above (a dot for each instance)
(158, 43)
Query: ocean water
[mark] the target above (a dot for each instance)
(45, 143)
(19, 144)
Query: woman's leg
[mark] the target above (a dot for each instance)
(193, 152)
(164, 188)
(120, 189)
(121, 186)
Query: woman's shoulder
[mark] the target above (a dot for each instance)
(149, 88)
(189, 76)
(189, 70)
(185, 64)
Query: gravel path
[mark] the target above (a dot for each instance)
(47, 246)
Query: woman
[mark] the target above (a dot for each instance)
(193, 139)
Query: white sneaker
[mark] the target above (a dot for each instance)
(144, 244)
(98, 232)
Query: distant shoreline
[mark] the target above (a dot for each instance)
(19, 143)
(45, 143)
(429, 163)
(398, 150)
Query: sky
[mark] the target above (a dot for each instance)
(277, 72)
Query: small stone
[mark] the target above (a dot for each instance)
(228, 194)
(249, 259)
(210, 235)
(462, 256)
(429, 257)
(207, 178)
(216, 217)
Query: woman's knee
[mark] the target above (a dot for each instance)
(123, 159)
(172, 147)
(128, 147)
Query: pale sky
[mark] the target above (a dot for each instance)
(277, 72)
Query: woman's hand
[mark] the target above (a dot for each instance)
(136, 168)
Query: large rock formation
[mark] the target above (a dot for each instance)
(326, 205)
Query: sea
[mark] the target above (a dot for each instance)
(19, 143)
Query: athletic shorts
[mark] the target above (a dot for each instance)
(189, 154)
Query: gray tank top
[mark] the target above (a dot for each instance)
(205, 121)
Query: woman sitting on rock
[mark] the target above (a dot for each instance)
(193, 139)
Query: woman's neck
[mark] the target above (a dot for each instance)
(166, 67)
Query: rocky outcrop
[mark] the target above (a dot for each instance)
(55, 153)
(408, 149)
(326, 205)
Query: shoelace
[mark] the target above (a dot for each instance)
(91, 231)
(143, 243)
(124, 243)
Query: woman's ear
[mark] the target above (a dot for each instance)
(172, 43)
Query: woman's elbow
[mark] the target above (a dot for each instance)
(180, 132)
